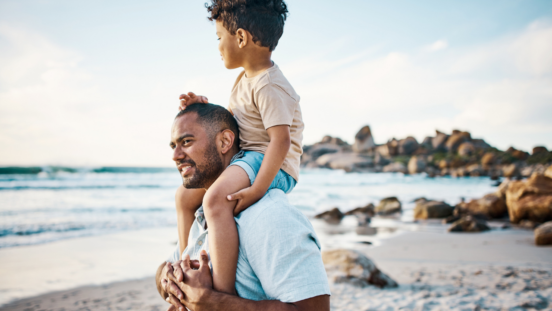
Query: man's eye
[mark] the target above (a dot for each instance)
(187, 142)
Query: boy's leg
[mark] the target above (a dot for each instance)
(187, 202)
(223, 234)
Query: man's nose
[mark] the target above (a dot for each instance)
(178, 154)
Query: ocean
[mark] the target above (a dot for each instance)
(45, 204)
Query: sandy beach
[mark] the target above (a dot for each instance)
(497, 270)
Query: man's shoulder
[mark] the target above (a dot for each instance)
(271, 211)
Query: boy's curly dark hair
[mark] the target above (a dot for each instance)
(264, 19)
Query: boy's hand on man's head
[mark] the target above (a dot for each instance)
(191, 98)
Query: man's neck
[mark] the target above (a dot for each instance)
(226, 160)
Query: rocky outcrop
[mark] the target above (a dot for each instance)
(531, 199)
(488, 159)
(332, 216)
(468, 224)
(389, 206)
(352, 267)
(364, 140)
(543, 234)
(416, 164)
(432, 209)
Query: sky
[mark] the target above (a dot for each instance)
(96, 83)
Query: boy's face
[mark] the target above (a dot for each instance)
(228, 47)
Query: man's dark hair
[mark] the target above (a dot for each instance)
(264, 19)
(213, 117)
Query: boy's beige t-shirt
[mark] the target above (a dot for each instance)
(264, 101)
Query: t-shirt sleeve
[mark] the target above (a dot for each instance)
(275, 105)
(285, 255)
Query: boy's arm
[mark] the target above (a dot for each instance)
(278, 148)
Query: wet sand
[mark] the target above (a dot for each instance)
(497, 270)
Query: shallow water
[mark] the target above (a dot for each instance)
(59, 204)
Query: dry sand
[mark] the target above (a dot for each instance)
(499, 270)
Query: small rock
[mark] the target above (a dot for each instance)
(529, 224)
(468, 224)
(352, 267)
(432, 209)
(332, 216)
(543, 234)
(363, 214)
(389, 206)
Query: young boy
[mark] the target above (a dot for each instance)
(267, 111)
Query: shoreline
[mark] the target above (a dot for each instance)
(422, 262)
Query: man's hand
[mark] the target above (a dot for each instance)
(191, 98)
(246, 197)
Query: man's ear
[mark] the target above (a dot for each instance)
(243, 37)
(226, 141)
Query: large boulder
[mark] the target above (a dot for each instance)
(364, 140)
(408, 146)
(456, 139)
(439, 141)
(352, 267)
(389, 206)
(480, 144)
(539, 149)
(488, 159)
(511, 171)
(396, 167)
(347, 161)
(432, 209)
(491, 205)
(469, 224)
(518, 154)
(531, 199)
(332, 216)
(427, 143)
(416, 164)
(543, 234)
(466, 149)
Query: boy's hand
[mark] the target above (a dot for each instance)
(191, 98)
(246, 197)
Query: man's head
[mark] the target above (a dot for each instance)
(246, 27)
(204, 138)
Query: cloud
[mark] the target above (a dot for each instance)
(437, 45)
(500, 90)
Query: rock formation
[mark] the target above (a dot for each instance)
(352, 267)
(363, 140)
(431, 209)
(543, 234)
(531, 199)
(389, 206)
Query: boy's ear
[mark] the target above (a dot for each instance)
(243, 37)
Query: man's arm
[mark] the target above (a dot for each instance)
(200, 295)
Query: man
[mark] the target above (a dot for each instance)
(279, 264)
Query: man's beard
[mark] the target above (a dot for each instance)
(204, 174)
